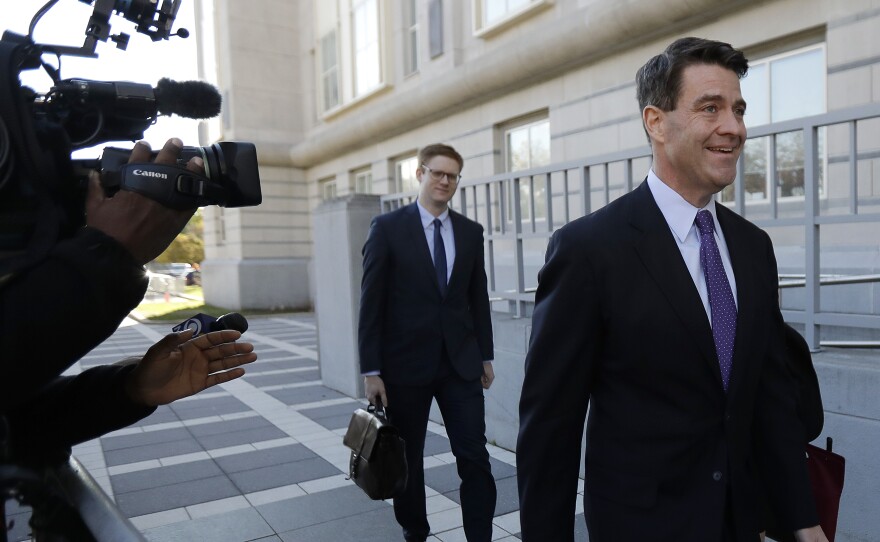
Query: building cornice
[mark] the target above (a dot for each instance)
(594, 32)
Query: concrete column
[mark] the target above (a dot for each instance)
(340, 229)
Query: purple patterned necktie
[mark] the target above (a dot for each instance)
(439, 257)
(721, 301)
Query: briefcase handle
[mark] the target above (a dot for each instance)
(379, 410)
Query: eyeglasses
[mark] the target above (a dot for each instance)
(438, 175)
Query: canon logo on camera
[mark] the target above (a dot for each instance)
(142, 173)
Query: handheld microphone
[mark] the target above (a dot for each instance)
(203, 323)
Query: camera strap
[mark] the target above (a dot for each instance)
(171, 185)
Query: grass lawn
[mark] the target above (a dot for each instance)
(180, 309)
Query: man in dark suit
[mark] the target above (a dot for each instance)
(425, 333)
(660, 312)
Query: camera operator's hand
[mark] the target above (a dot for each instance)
(143, 226)
(179, 366)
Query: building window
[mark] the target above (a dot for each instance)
(327, 188)
(491, 15)
(527, 146)
(348, 52)
(779, 88)
(365, 30)
(405, 174)
(363, 181)
(496, 10)
(435, 28)
(410, 38)
(330, 70)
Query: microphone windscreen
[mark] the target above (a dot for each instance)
(190, 99)
(233, 320)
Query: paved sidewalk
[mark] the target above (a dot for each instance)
(261, 458)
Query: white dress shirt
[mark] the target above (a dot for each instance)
(445, 233)
(680, 215)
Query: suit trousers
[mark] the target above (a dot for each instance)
(463, 409)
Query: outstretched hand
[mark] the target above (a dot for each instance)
(179, 366)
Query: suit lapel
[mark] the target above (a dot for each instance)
(661, 256)
(420, 244)
(459, 231)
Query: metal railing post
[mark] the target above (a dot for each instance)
(518, 247)
(812, 239)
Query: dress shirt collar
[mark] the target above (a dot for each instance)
(679, 214)
(428, 218)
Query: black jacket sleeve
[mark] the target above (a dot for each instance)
(71, 410)
(56, 311)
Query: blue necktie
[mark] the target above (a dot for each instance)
(439, 258)
(721, 300)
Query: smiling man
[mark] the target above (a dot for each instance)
(425, 333)
(660, 313)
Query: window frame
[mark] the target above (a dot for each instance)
(527, 123)
(398, 168)
(362, 180)
(354, 6)
(524, 125)
(327, 188)
(349, 92)
(485, 29)
(335, 69)
(410, 38)
(771, 178)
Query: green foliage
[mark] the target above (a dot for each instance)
(189, 245)
(185, 248)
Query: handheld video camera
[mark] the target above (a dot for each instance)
(39, 131)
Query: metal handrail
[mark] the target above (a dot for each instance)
(97, 510)
(51, 491)
(828, 281)
(571, 188)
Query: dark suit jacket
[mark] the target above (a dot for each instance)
(809, 397)
(809, 409)
(619, 325)
(404, 323)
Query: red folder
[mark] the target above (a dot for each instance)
(826, 470)
(826, 475)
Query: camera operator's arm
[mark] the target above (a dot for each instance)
(57, 310)
(141, 225)
(74, 409)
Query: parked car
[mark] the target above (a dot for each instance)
(191, 275)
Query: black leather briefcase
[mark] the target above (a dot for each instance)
(378, 459)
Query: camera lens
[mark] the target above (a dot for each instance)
(234, 167)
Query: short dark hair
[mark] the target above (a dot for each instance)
(658, 82)
(439, 149)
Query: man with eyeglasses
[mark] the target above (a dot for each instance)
(425, 333)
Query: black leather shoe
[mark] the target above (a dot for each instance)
(409, 537)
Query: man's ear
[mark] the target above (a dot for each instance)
(653, 119)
